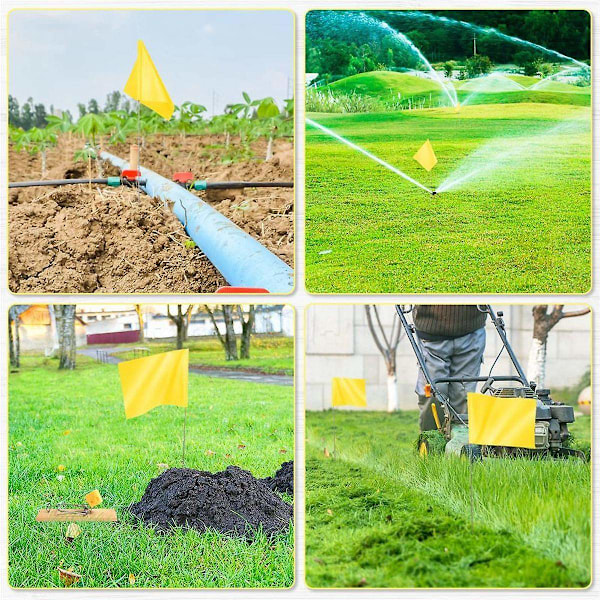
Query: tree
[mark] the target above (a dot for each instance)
(14, 337)
(67, 343)
(14, 113)
(113, 101)
(543, 322)
(448, 67)
(181, 320)
(228, 342)
(93, 106)
(81, 108)
(140, 316)
(39, 117)
(26, 116)
(478, 65)
(247, 326)
(387, 346)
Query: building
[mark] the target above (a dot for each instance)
(339, 344)
(37, 331)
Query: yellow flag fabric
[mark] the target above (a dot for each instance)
(348, 392)
(154, 380)
(501, 421)
(144, 84)
(425, 156)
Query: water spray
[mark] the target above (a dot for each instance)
(367, 153)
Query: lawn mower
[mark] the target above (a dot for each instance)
(451, 435)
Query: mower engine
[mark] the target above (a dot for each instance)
(551, 418)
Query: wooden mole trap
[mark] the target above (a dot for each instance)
(76, 514)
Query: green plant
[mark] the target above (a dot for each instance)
(34, 141)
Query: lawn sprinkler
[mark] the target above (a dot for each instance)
(433, 192)
(451, 435)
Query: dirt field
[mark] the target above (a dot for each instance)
(104, 240)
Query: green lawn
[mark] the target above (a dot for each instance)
(274, 355)
(378, 515)
(523, 227)
(76, 419)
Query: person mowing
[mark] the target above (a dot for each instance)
(452, 339)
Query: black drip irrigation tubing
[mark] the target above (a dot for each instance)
(230, 185)
(49, 182)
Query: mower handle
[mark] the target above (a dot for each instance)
(478, 379)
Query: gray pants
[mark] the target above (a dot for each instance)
(460, 357)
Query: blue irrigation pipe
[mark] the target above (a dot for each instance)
(241, 260)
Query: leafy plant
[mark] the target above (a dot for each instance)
(35, 141)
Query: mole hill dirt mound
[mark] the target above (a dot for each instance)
(232, 502)
(283, 480)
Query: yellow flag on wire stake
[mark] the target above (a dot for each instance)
(348, 392)
(146, 86)
(501, 421)
(154, 380)
(425, 156)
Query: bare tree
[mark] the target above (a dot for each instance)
(387, 346)
(543, 322)
(228, 342)
(181, 320)
(14, 338)
(140, 316)
(65, 324)
(247, 326)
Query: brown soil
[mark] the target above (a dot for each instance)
(267, 214)
(75, 240)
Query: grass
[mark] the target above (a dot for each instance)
(76, 419)
(523, 227)
(268, 354)
(381, 83)
(388, 89)
(378, 515)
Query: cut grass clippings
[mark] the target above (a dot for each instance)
(76, 419)
(378, 515)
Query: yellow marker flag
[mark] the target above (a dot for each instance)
(348, 392)
(144, 84)
(425, 156)
(501, 421)
(154, 380)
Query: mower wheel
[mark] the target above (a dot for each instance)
(424, 448)
(472, 452)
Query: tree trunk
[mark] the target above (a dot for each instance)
(536, 363)
(230, 341)
(188, 318)
(247, 326)
(392, 393)
(181, 323)
(140, 316)
(65, 318)
(388, 347)
(13, 338)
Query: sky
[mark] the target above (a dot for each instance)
(62, 57)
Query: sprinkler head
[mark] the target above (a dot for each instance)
(433, 192)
